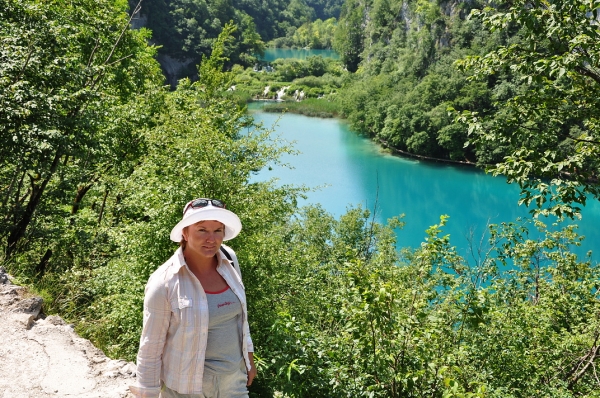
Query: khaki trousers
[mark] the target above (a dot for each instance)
(216, 386)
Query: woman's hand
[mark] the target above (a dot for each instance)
(252, 371)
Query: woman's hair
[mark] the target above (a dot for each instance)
(183, 242)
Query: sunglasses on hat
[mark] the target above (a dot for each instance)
(203, 202)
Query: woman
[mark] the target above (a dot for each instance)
(195, 340)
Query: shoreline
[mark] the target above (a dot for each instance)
(384, 144)
(401, 153)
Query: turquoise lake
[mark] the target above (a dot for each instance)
(351, 170)
(271, 54)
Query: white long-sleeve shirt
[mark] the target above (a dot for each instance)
(174, 335)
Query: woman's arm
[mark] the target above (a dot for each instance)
(252, 371)
(157, 314)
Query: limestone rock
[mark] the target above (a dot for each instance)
(31, 305)
(44, 358)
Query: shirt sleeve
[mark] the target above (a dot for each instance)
(157, 314)
(249, 339)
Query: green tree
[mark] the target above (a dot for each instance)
(247, 44)
(65, 71)
(200, 143)
(348, 39)
(186, 30)
(298, 12)
(352, 318)
(549, 123)
(290, 68)
(267, 16)
(317, 34)
(325, 9)
(406, 79)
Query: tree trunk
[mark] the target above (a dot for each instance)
(81, 191)
(102, 207)
(24, 219)
(40, 269)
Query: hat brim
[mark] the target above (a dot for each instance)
(232, 223)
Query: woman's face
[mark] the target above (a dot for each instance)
(203, 238)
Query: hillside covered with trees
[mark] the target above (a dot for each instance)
(97, 158)
(522, 75)
(185, 30)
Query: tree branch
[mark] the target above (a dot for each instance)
(586, 72)
(137, 8)
(120, 59)
(576, 373)
(100, 75)
(32, 48)
(93, 53)
(588, 141)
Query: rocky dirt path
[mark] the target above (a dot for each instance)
(42, 357)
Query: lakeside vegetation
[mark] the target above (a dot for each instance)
(97, 157)
(315, 35)
(307, 86)
(310, 107)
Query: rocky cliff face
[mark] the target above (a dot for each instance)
(42, 357)
(172, 68)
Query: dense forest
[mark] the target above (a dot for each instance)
(98, 155)
(185, 30)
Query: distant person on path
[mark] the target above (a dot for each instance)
(195, 340)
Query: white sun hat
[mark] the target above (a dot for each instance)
(204, 210)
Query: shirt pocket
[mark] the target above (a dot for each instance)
(182, 311)
(182, 341)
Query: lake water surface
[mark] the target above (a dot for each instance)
(271, 54)
(353, 171)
